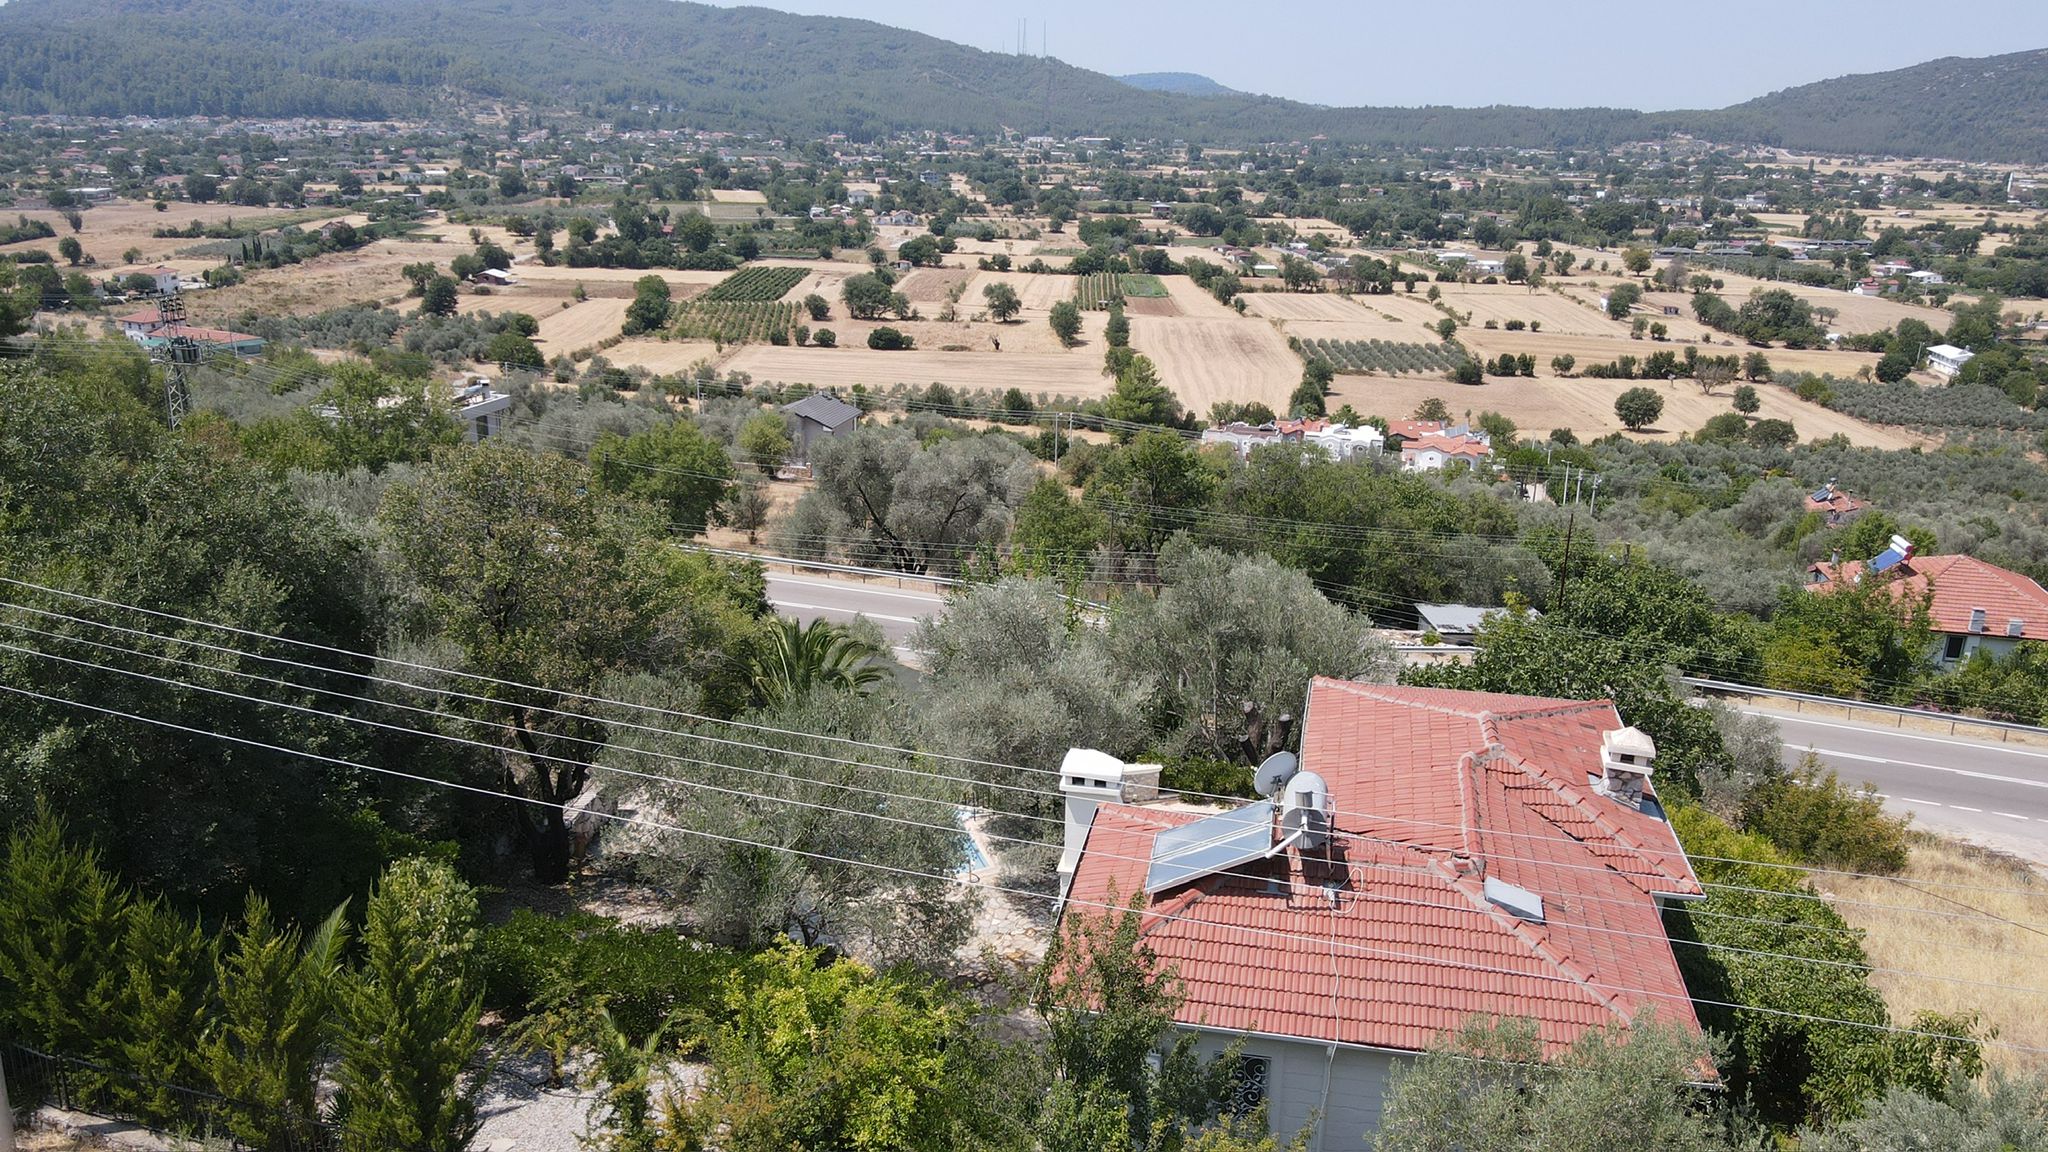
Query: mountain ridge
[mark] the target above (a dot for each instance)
(1185, 83)
(759, 69)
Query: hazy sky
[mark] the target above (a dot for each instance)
(1471, 52)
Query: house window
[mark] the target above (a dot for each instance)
(1248, 1083)
(1953, 650)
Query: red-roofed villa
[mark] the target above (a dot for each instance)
(1434, 856)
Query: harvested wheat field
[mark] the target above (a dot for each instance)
(1194, 302)
(738, 196)
(1052, 373)
(654, 354)
(617, 281)
(1204, 361)
(581, 325)
(1488, 343)
(1038, 292)
(113, 228)
(1587, 406)
(1963, 933)
(1327, 306)
(1556, 313)
(931, 286)
(1854, 313)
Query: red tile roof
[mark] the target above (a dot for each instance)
(1411, 947)
(1413, 428)
(1961, 584)
(1448, 445)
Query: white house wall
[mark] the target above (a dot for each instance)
(1358, 1080)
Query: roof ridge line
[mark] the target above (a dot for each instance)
(1578, 800)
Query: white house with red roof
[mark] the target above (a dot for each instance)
(1432, 452)
(1974, 606)
(1439, 855)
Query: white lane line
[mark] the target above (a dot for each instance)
(843, 611)
(1900, 733)
(1928, 803)
(2012, 816)
(859, 589)
(1992, 776)
(1960, 808)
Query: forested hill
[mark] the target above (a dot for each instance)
(1993, 107)
(1185, 83)
(752, 68)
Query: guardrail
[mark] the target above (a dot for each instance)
(2003, 727)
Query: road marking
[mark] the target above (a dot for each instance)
(1992, 776)
(1928, 803)
(847, 611)
(860, 589)
(1900, 733)
(1960, 808)
(2012, 816)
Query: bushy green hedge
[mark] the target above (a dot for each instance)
(645, 977)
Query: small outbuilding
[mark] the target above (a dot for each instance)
(816, 417)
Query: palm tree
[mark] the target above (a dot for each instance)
(800, 657)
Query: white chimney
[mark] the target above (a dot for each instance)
(1089, 778)
(1627, 757)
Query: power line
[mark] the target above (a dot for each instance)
(1363, 949)
(1353, 836)
(1409, 821)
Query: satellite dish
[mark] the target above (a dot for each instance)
(1274, 774)
(1306, 809)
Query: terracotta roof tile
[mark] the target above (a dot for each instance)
(1411, 948)
(1961, 584)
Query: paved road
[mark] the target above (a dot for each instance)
(1993, 793)
(894, 610)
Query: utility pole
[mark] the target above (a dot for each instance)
(177, 353)
(6, 1110)
(1564, 567)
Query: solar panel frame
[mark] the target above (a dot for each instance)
(1207, 846)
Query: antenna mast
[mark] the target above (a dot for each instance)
(177, 353)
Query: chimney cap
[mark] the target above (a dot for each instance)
(1632, 742)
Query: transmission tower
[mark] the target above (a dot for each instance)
(177, 353)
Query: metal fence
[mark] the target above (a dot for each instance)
(1899, 713)
(36, 1079)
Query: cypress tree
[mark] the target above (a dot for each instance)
(274, 1003)
(409, 1016)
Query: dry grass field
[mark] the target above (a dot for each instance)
(1856, 313)
(113, 228)
(1204, 361)
(738, 196)
(1502, 303)
(1038, 292)
(655, 355)
(1587, 406)
(1598, 349)
(1195, 303)
(1997, 946)
(1052, 373)
(581, 325)
(931, 285)
(1327, 306)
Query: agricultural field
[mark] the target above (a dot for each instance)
(756, 283)
(1489, 343)
(662, 357)
(1587, 406)
(1555, 313)
(1098, 291)
(734, 322)
(1141, 284)
(581, 325)
(112, 228)
(1385, 357)
(1192, 301)
(1854, 313)
(933, 286)
(1038, 292)
(1316, 306)
(1204, 361)
(1057, 373)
